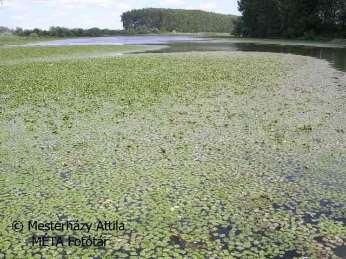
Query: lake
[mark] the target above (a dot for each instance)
(335, 55)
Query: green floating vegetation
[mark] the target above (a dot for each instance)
(29, 54)
(177, 147)
(18, 40)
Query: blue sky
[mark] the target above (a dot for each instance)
(92, 13)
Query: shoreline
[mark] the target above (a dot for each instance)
(333, 43)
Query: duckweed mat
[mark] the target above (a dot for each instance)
(10, 55)
(17, 40)
(198, 155)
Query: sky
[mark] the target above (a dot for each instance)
(31, 14)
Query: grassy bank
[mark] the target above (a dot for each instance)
(198, 154)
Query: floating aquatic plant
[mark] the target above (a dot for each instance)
(143, 139)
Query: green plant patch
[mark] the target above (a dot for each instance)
(29, 54)
(18, 40)
(182, 149)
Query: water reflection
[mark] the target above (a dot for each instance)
(119, 40)
(336, 56)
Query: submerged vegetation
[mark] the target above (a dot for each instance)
(199, 154)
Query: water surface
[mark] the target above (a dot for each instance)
(121, 40)
(335, 55)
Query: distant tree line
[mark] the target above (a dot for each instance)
(5, 30)
(292, 18)
(62, 32)
(170, 20)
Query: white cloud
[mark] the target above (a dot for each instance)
(210, 6)
(102, 3)
(90, 13)
(17, 17)
(173, 3)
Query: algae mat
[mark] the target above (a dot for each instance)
(197, 155)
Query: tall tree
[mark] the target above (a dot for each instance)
(155, 19)
(292, 18)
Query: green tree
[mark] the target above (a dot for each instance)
(291, 18)
(155, 19)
